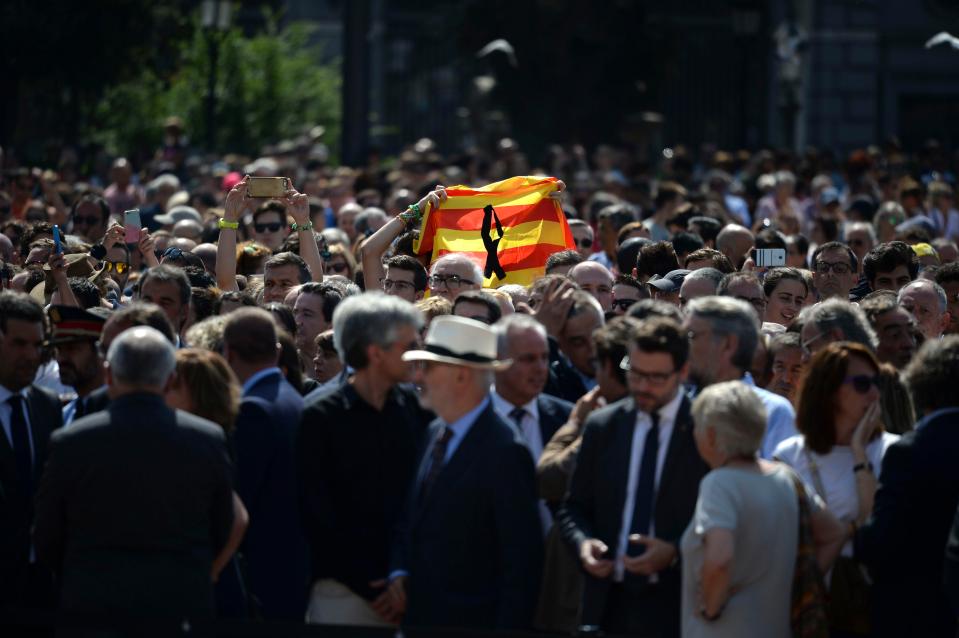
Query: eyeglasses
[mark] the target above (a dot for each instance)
(85, 221)
(388, 284)
(862, 382)
(585, 242)
(452, 282)
(271, 227)
(120, 266)
(338, 267)
(652, 378)
(805, 345)
(623, 304)
(838, 267)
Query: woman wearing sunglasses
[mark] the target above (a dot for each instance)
(838, 454)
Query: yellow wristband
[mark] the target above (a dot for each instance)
(225, 224)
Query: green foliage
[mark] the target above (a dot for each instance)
(270, 87)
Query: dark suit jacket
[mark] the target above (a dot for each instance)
(563, 381)
(98, 400)
(904, 541)
(594, 506)
(16, 507)
(274, 546)
(473, 547)
(134, 504)
(553, 413)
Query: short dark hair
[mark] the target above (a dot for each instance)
(628, 252)
(708, 227)
(250, 333)
(413, 265)
(91, 198)
(878, 303)
(282, 316)
(719, 261)
(17, 305)
(629, 280)
(563, 258)
(142, 313)
(657, 258)
(612, 341)
(203, 301)
(947, 273)
(30, 235)
(932, 373)
(618, 215)
(782, 341)
(668, 192)
(85, 291)
(290, 259)
(887, 257)
(686, 242)
(331, 294)
(769, 238)
(244, 298)
(731, 278)
(648, 308)
(775, 275)
(483, 298)
(659, 334)
(270, 206)
(199, 277)
(836, 245)
(168, 274)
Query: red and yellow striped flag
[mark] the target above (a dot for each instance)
(509, 228)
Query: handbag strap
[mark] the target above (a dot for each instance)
(816, 476)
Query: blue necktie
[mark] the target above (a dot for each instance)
(20, 437)
(645, 487)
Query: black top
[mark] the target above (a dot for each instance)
(133, 505)
(355, 467)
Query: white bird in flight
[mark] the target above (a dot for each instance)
(943, 37)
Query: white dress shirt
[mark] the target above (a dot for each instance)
(532, 435)
(667, 418)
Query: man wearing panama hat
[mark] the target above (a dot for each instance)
(470, 554)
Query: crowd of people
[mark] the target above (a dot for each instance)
(723, 411)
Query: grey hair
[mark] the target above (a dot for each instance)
(515, 322)
(730, 316)
(460, 258)
(854, 226)
(335, 236)
(362, 221)
(838, 314)
(367, 319)
(735, 413)
(142, 357)
(936, 288)
(516, 292)
(708, 274)
(784, 177)
(207, 334)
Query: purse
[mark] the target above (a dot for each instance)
(808, 618)
(850, 585)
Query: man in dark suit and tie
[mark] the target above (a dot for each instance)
(136, 502)
(518, 396)
(28, 415)
(634, 491)
(471, 548)
(275, 548)
(904, 541)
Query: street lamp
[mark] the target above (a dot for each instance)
(215, 19)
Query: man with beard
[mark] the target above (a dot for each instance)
(28, 415)
(625, 532)
(723, 336)
(75, 336)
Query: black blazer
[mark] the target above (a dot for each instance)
(134, 504)
(904, 541)
(16, 508)
(473, 547)
(553, 413)
(594, 505)
(274, 547)
(563, 381)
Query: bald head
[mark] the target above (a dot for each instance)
(596, 279)
(927, 302)
(207, 254)
(735, 241)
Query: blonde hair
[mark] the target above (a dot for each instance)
(214, 389)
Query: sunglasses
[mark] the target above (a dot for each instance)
(272, 227)
(584, 243)
(623, 304)
(862, 382)
(338, 267)
(119, 266)
(85, 221)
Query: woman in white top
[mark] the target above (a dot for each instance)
(839, 451)
(739, 551)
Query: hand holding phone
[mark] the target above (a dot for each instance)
(273, 187)
(57, 241)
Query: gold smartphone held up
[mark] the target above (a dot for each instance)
(267, 186)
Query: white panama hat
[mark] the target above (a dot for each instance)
(460, 341)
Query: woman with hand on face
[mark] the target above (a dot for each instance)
(838, 455)
(786, 292)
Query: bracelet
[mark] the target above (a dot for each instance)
(413, 215)
(222, 224)
(306, 226)
(859, 467)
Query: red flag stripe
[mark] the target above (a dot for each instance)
(531, 256)
(472, 218)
